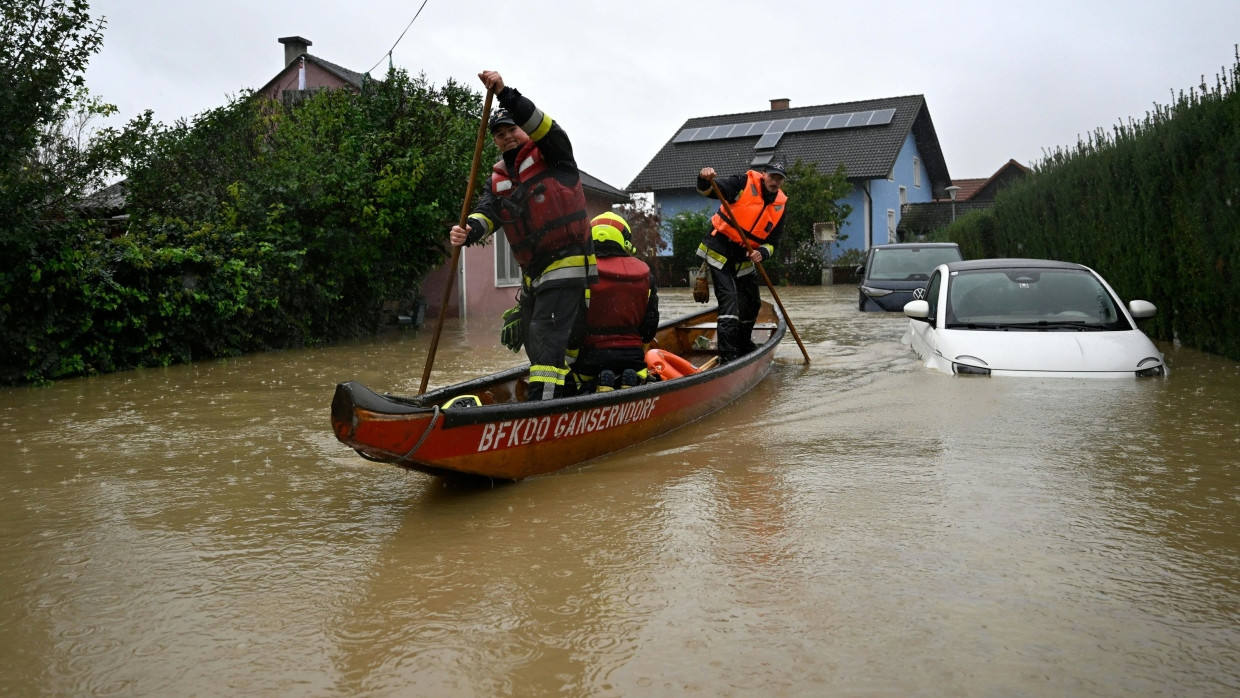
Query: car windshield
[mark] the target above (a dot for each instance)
(1031, 299)
(908, 263)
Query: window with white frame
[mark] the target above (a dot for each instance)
(507, 271)
(917, 173)
(891, 225)
(903, 195)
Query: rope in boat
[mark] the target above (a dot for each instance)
(430, 427)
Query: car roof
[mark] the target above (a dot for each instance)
(912, 245)
(1009, 263)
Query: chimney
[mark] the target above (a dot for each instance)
(776, 104)
(294, 47)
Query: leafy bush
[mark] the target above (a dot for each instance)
(688, 228)
(255, 225)
(813, 198)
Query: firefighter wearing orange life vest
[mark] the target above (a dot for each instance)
(623, 314)
(535, 194)
(759, 206)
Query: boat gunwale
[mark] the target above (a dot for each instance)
(416, 407)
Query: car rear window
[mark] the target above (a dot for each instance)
(909, 263)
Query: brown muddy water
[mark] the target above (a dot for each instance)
(860, 526)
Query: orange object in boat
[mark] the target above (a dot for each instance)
(668, 365)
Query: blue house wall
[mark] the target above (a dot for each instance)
(883, 195)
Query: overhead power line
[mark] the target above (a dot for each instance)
(388, 55)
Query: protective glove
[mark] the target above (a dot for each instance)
(511, 334)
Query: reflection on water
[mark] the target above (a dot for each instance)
(858, 525)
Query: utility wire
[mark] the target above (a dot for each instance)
(388, 55)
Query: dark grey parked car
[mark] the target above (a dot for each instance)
(892, 273)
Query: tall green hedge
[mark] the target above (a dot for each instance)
(1153, 205)
(255, 226)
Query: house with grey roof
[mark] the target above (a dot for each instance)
(888, 147)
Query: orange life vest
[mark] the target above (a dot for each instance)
(541, 216)
(753, 215)
(617, 303)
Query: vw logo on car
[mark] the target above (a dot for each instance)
(919, 294)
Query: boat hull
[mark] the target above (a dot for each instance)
(515, 440)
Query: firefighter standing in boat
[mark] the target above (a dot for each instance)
(759, 206)
(623, 315)
(535, 194)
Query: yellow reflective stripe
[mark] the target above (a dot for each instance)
(488, 226)
(538, 125)
(712, 257)
(770, 250)
(571, 267)
(548, 374)
(745, 267)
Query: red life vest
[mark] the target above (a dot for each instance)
(617, 303)
(542, 215)
(753, 215)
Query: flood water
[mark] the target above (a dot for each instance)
(860, 526)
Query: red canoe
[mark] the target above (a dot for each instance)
(510, 440)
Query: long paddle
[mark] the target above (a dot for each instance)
(456, 251)
(749, 248)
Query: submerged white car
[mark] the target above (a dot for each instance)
(1029, 317)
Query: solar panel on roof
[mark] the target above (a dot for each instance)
(838, 121)
(779, 126)
(771, 130)
(860, 118)
(768, 140)
(882, 117)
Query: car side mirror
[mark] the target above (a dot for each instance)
(1141, 309)
(918, 310)
(860, 270)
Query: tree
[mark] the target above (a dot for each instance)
(643, 219)
(44, 48)
(48, 159)
(813, 197)
(687, 229)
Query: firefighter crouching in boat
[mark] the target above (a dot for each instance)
(535, 194)
(623, 314)
(759, 206)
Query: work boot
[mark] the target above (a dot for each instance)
(605, 382)
(629, 379)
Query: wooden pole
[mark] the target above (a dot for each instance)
(749, 248)
(456, 250)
